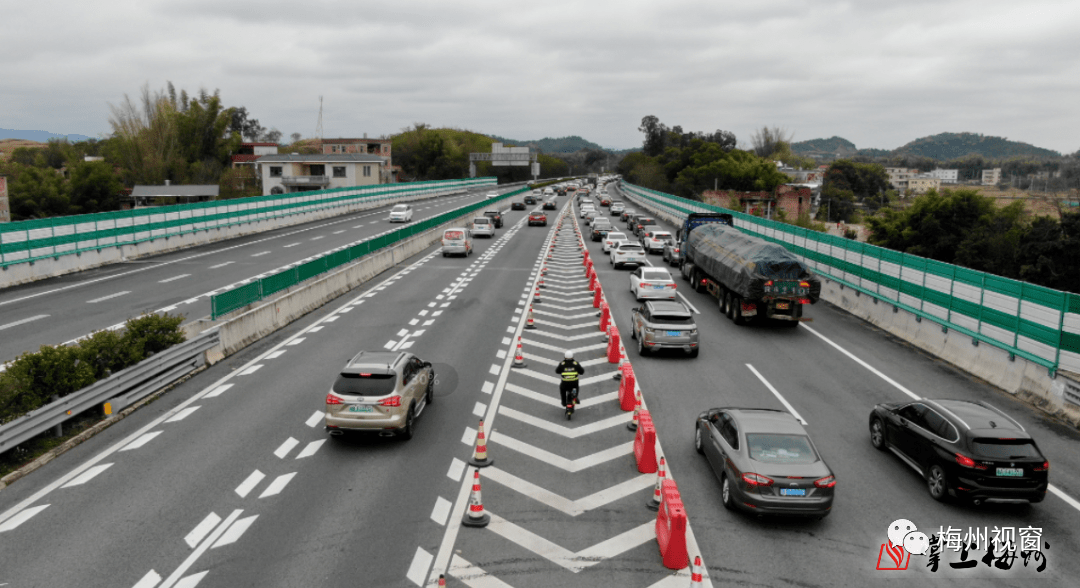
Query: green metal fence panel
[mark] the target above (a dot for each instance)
(282, 280)
(310, 269)
(231, 300)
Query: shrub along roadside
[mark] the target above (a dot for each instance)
(31, 380)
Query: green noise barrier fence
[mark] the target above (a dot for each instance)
(1029, 321)
(31, 240)
(242, 296)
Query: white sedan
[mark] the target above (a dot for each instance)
(652, 282)
(654, 241)
(587, 209)
(612, 240)
(627, 253)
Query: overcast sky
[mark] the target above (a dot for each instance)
(878, 73)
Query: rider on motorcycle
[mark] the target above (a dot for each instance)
(569, 370)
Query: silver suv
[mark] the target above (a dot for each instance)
(664, 324)
(483, 225)
(380, 391)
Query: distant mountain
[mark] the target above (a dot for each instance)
(942, 147)
(560, 145)
(39, 136)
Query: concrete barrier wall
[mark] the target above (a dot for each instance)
(69, 263)
(246, 326)
(1013, 374)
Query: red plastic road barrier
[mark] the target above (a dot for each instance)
(626, 385)
(605, 319)
(597, 295)
(613, 347)
(592, 281)
(585, 257)
(671, 527)
(645, 444)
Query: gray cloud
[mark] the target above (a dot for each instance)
(878, 73)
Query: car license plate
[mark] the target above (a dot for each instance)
(793, 492)
(673, 333)
(783, 305)
(1011, 472)
(658, 287)
(361, 409)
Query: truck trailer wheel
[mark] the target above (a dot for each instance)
(728, 310)
(737, 316)
(698, 287)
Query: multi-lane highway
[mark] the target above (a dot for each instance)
(230, 480)
(57, 310)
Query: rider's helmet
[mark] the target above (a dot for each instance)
(569, 355)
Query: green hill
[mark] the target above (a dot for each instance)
(559, 145)
(833, 147)
(945, 146)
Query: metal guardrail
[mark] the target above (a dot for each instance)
(121, 389)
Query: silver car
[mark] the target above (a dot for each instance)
(483, 225)
(664, 324)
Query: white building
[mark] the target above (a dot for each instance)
(991, 177)
(283, 174)
(898, 176)
(947, 176)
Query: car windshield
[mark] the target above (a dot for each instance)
(1005, 448)
(481, 221)
(364, 384)
(453, 235)
(400, 208)
(782, 449)
(672, 320)
(629, 247)
(643, 221)
(616, 236)
(655, 275)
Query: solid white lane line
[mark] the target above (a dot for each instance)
(174, 278)
(314, 418)
(221, 265)
(249, 484)
(218, 391)
(418, 569)
(277, 485)
(457, 468)
(183, 414)
(235, 531)
(776, 393)
(311, 448)
(692, 307)
(21, 518)
(199, 532)
(88, 475)
(441, 510)
(109, 297)
(286, 447)
(23, 322)
(874, 371)
(148, 437)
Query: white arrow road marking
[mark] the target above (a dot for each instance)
(192, 581)
(559, 555)
(591, 325)
(563, 504)
(88, 475)
(201, 549)
(311, 448)
(235, 531)
(141, 441)
(250, 483)
(569, 337)
(569, 433)
(199, 532)
(21, 518)
(277, 485)
(531, 342)
(419, 567)
(553, 398)
(569, 465)
(148, 581)
(183, 414)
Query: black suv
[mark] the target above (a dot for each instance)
(550, 205)
(530, 200)
(517, 205)
(963, 449)
(495, 216)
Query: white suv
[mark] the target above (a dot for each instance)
(626, 254)
(402, 213)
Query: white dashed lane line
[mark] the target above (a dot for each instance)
(109, 297)
(23, 321)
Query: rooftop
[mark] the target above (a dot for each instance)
(322, 157)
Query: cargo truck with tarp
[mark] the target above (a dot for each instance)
(750, 276)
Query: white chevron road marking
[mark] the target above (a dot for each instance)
(567, 337)
(557, 349)
(473, 576)
(554, 380)
(559, 555)
(563, 504)
(563, 316)
(569, 465)
(569, 433)
(591, 324)
(554, 362)
(553, 398)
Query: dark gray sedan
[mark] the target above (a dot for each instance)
(672, 254)
(765, 461)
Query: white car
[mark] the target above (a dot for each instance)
(402, 213)
(654, 241)
(492, 195)
(586, 209)
(627, 253)
(617, 208)
(652, 282)
(549, 192)
(612, 240)
(483, 225)
(536, 192)
(590, 216)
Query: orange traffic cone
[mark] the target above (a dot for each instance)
(540, 282)
(696, 580)
(661, 475)
(632, 425)
(476, 517)
(519, 359)
(480, 457)
(529, 324)
(536, 296)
